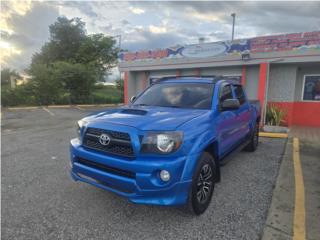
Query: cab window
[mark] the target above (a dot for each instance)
(226, 93)
(239, 94)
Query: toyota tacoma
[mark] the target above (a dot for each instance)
(167, 146)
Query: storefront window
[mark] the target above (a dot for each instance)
(311, 88)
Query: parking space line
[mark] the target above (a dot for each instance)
(80, 108)
(299, 232)
(48, 111)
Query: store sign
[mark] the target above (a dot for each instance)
(286, 42)
(204, 50)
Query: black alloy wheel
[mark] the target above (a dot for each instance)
(202, 184)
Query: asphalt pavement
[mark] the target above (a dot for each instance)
(40, 201)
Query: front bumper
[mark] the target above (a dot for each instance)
(142, 185)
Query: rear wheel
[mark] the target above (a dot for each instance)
(254, 141)
(202, 184)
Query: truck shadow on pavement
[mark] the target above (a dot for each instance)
(238, 208)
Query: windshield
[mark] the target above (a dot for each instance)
(179, 95)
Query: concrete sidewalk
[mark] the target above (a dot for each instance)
(289, 212)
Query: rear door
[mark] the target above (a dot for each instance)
(243, 113)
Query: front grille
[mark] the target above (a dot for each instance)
(113, 134)
(106, 168)
(120, 142)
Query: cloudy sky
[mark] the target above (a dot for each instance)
(146, 25)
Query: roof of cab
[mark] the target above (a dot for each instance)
(194, 79)
(188, 80)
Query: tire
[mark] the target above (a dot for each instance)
(254, 141)
(202, 184)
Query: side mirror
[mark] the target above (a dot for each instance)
(133, 98)
(230, 104)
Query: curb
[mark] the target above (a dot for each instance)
(279, 222)
(21, 108)
(273, 135)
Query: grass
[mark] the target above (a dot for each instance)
(106, 94)
(99, 95)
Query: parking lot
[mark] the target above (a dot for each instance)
(40, 201)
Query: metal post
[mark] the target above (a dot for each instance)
(233, 15)
(119, 43)
(264, 115)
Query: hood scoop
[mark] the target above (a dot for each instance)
(134, 111)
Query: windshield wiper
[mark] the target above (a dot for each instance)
(171, 106)
(141, 104)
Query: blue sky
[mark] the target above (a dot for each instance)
(146, 25)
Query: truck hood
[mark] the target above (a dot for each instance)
(145, 117)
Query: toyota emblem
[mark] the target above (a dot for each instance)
(104, 139)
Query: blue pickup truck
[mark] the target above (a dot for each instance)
(166, 147)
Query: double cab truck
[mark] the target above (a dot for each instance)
(167, 146)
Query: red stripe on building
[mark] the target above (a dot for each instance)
(300, 113)
(262, 82)
(125, 87)
(306, 114)
(243, 75)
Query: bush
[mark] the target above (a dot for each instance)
(275, 115)
(27, 95)
(21, 95)
(96, 99)
(106, 94)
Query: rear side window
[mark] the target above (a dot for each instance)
(226, 93)
(239, 94)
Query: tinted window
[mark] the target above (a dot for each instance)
(181, 95)
(226, 93)
(239, 94)
(311, 91)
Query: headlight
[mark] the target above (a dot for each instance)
(80, 124)
(161, 142)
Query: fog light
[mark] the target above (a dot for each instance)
(164, 175)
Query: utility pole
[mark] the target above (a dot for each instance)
(233, 15)
(119, 43)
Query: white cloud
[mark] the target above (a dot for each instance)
(136, 10)
(155, 29)
(149, 24)
(24, 29)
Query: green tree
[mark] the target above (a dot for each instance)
(99, 52)
(75, 78)
(66, 37)
(71, 62)
(45, 85)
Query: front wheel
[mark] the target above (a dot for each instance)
(202, 184)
